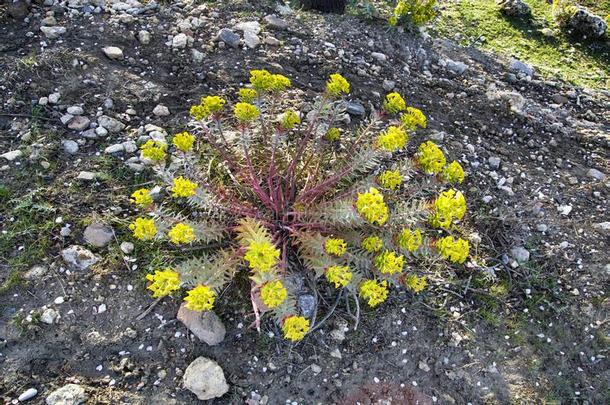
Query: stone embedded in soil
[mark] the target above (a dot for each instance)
(111, 124)
(12, 155)
(272, 41)
(494, 162)
(127, 247)
(596, 174)
(602, 226)
(307, 304)
(514, 8)
(161, 111)
(180, 41)
(113, 52)
(85, 175)
(204, 378)
(53, 32)
(78, 257)
(251, 40)
(49, 316)
(27, 394)
(587, 24)
(456, 67)
(75, 110)
(79, 123)
(206, 325)
(520, 254)
(70, 394)
(248, 26)
(354, 108)
(379, 57)
(144, 37)
(522, 68)
(276, 22)
(98, 235)
(228, 37)
(35, 272)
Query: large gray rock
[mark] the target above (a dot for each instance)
(587, 24)
(228, 37)
(204, 378)
(276, 22)
(111, 124)
(514, 8)
(521, 68)
(53, 32)
(70, 394)
(98, 235)
(207, 326)
(78, 257)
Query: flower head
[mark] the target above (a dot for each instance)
(392, 139)
(261, 80)
(273, 294)
(416, 284)
(213, 103)
(340, 276)
(388, 262)
(372, 244)
(295, 328)
(333, 134)
(262, 256)
(335, 246)
(247, 95)
(181, 234)
(371, 207)
(374, 292)
(453, 173)
(200, 298)
(390, 179)
(431, 157)
(289, 119)
(144, 228)
(410, 240)
(455, 250)
(183, 187)
(449, 206)
(280, 82)
(154, 150)
(183, 141)
(413, 118)
(163, 282)
(142, 197)
(394, 103)
(199, 112)
(337, 85)
(246, 112)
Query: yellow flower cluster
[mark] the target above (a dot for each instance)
(246, 112)
(273, 294)
(181, 233)
(141, 197)
(372, 244)
(247, 95)
(392, 139)
(200, 298)
(374, 292)
(388, 262)
(183, 187)
(337, 85)
(394, 103)
(390, 179)
(340, 276)
(183, 141)
(209, 105)
(335, 246)
(413, 118)
(416, 284)
(333, 134)
(199, 112)
(456, 250)
(371, 206)
(290, 118)
(163, 282)
(262, 80)
(143, 228)
(453, 173)
(262, 256)
(410, 240)
(295, 328)
(154, 150)
(449, 206)
(431, 157)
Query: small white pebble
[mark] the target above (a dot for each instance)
(59, 300)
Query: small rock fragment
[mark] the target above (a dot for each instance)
(204, 378)
(113, 52)
(70, 394)
(206, 325)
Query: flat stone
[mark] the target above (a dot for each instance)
(35, 273)
(228, 37)
(354, 108)
(378, 56)
(98, 235)
(520, 67)
(85, 175)
(78, 257)
(111, 124)
(206, 325)
(596, 174)
(116, 148)
(251, 39)
(248, 26)
(79, 123)
(161, 111)
(204, 378)
(272, 41)
(12, 155)
(70, 394)
(75, 110)
(53, 32)
(276, 22)
(113, 52)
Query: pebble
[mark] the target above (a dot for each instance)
(494, 162)
(54, 98)
(12, 155)
(456, 67)
(113, 52)
(180, 41)
(596, 174)
(354, 108)
(144, 37)
(316, 368)
(49, 316)
(70, 394)
(206, 325)
(520, 254)
(53, 32)
(98, 235)
(78, 257)
(27, 394)
(110, 124)
(380, 57)
(307, 304)
(204, 378)
(522, 68)
(228, 37)
(79, 123)
(275, 22)
(161, 111)
(127, 247)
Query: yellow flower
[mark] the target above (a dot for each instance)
(273, 294)
(262, 80)
(163, 282)
(154, 150)
(392, 139)
(290, 118)
(372, 244)
(184, 141)
(390, 179)
(183, 187)
(371, 207)
(335, 246)
(410, 240)
(431, 157)
(456, 250)
(295, 328)
(340, 276)
(181, 233)
(394, 103)
(280, 82)
(333, 134)
(453, 173)
(213, 103)
(141, 197)
(200, 298)
(374, 292)
(143, 228)
(199, 112)
(449, 206)
(247, 95)
(388, 262)
(245, 112)
(413, 118)
(337, 85)
(262, 256)
(417, 284)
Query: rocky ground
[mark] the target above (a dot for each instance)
(84, 82)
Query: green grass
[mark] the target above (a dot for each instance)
(479, 22)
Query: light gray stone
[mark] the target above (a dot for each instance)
(596, 174)
(144, 37)
(520, 254)
(53, 32)
(70, 394)
(98, 235)
(127, 247)
(49, 316)
(204, 378)
(251, 39)
(456, 67)
(27, 394)
(180, 41)
(111, 124)
(78, 257)
(161, 111)
(522, 68)
(275, 22)
(70, 147)
(75, 110)
(116, 148)
(79, 123)
(206, 325)
(113, 52)
(494, 162)
(379, 57)
(12, 155)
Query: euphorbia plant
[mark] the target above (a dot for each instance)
(287, 198)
